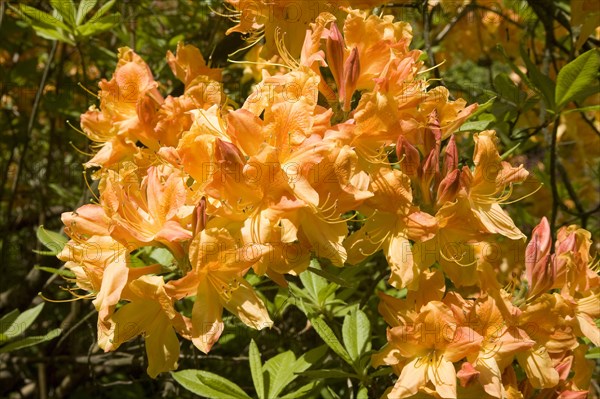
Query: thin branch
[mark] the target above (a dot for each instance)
(553, 185)
(32, 118)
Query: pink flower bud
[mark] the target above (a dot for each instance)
(351, 75)
(539, 271)
(335, 53)
(408, 156)
(467, 374)
(448, 187)
(450, 156)
(199, 217)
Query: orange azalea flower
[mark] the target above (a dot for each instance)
(148, 210)
(202, 91)
(101, 264)
(150, 313)
(484, 188)
(431, 344)
(392, 222)
(217, 281)
(128, 106)
(271, 19)
(501, 341)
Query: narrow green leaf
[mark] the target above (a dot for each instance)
(102, 11)
(310, 358)
(162, 256)
(331, 392)
(583, 109)
(482, 108)
(52, 240)
(23, 321)
(356, 333)
(279, 373)
(256, 370)
(512, 66)
(578, 79)
(85, 7)
(61, 272)
(207, 384)
(30, 341)
(508, 153)
(66, 9)
(330, 339)
(33, 14)
(541, 83)
(506, 88)
(474, 126)
(6, 322)
(303, 391)
(99, 25)
(331, 277)
(327, 373)
(312, 282)
(593, 353)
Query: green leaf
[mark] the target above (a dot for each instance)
(583, 109)
(507, 89)
(540, 82)
(593, 353)
(30, 341)
(356, 333)
(33, 14)
(578, 79)
(6, 323)
(22, 322)
(313, 283)
(85, 6)
(44, 24)
(162, 256)
(207, 384)
(99, 25)
(279, 373)
(256, 370)
(303, 391)
(102, 11)
(66, 9)
(328, 373)
(330, 276)
(509, 152)
(61, 272)
(330, 339)
(310, 358)
(475, 126)
(52, 240)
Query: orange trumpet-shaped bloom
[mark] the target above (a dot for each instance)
(217, 281)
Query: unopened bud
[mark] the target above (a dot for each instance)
(335, 53)
(229, 156)
(450, 156)
(448, 187)
(408, 156)
(467, 374)
(199, 218)
(351, 75)
(431, 166)
(539, 270)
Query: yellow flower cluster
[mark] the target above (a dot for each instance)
(273, 183)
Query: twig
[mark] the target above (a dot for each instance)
(32, 117)
(553, 185)
(567, 183)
